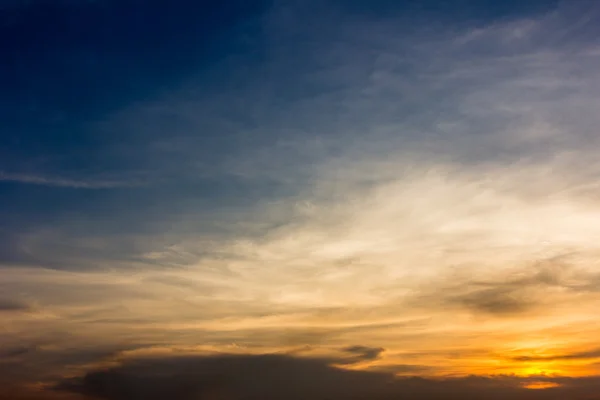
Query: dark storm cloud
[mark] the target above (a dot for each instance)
(278, 377)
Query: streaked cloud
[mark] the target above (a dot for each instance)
(63, 182)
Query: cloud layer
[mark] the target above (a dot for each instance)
(277, 377)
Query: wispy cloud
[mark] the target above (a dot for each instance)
(65, 182)
(583, 355)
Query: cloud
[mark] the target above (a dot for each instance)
(279, 377)
(200, 377)
(14, 305)
(521, 292)
(504, 297)
(402, 369)
(496, 301)
(65, 182)
(363, 353)
(15, 352)
(582, 355)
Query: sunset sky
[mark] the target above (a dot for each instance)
(299, 199)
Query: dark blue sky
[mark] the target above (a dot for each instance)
(70, 68)
(68, 63)
(67, 66)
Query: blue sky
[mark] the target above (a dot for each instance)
(92, 129)
(389, 187)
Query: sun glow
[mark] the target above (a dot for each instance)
(537, 370)
(539, 385)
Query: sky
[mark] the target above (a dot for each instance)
(299, 199)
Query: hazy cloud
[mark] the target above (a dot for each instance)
(14, 305)
(496, 301)
(583, 355)
(15, 352)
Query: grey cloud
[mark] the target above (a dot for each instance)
(513, 295)
(492, 298)
(14, 305)
(43, 360)
(404, 369)
(364, 353)
(279, 377)
(228, 376)
(11, 391)
(15, 352)
(499, 301)
(585, 283)
(583, 355)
